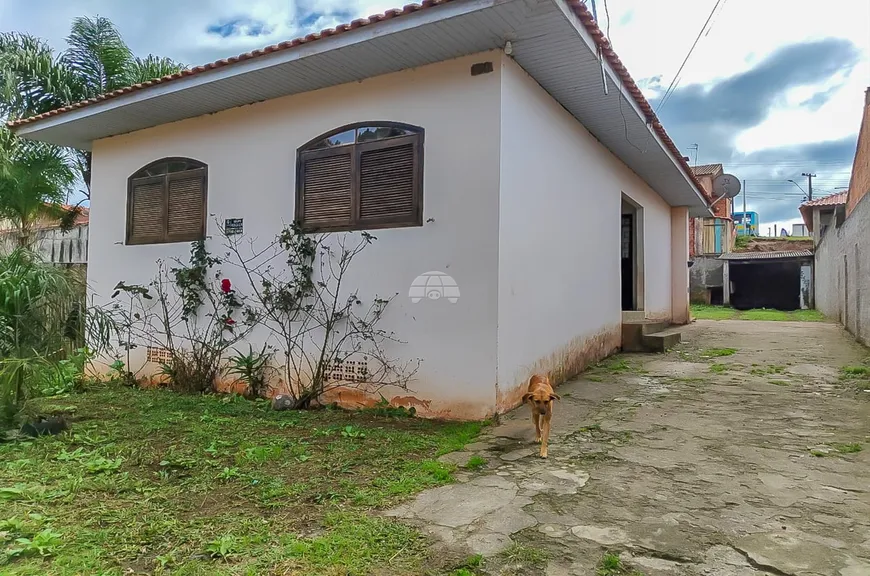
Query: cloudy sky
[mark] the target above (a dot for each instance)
(774, 87)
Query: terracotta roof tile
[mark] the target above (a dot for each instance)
(579, 8)
(830, 200)
(706, 169)
(806, 209)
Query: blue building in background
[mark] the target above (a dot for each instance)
(746, 223)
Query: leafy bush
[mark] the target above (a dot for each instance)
(65, 375)
(40, 319)
(185, 311)
(251, 369)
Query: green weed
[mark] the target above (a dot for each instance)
(718, 352)
(475, 462)
(439, 471)
(849, 448)
(855, 371)
(469, 566)
(526, 556)
(612, 565)
(224, 547)
(42, 544)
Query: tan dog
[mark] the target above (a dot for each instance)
(540, 397)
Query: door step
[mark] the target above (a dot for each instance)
(662, 341)
(649, 336)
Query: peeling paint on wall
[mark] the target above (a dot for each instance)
(561, 365)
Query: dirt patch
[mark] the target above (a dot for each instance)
(776, 245)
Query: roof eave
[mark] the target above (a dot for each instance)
(684, 190)
(257, 60)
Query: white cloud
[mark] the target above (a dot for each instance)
(659, 34)
(651, 37)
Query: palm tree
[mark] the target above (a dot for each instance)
(34, 80)
(34, 181)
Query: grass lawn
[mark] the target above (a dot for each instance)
(704, 312)
(157, 482)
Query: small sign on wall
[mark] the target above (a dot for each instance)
(233, 226)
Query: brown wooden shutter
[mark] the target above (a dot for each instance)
(186, 205)
(326, 189)
(146, 222)
(389, 185)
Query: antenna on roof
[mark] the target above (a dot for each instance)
(695, 148)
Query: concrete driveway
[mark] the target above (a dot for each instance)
(735, 454)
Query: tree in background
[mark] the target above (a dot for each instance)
(34, 181)
(34, 80)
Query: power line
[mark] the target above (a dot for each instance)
(673, 83)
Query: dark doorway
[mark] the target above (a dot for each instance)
(717, 296)
(768, 284)
(627, 269)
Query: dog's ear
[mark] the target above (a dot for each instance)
(555, 396)
(526, 398)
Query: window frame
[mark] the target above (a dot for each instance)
(166, 178)
(417, 136)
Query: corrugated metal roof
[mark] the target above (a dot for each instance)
(766, 255)
(707, 169)
(558, 42)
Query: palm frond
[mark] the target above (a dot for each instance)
(97, 55)
(32, 80)
(33, 175)
(151, 67)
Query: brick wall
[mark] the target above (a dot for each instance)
(859, 184)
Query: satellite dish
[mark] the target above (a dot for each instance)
(726, 186)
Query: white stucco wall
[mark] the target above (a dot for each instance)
(559, 237)
(250, 152)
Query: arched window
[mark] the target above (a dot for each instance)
(166, 202)
(363, 176)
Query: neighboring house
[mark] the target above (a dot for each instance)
(822, 213)
(843, 243)
(782, 280)
(709, 238)
(549, 191)
(50, 242)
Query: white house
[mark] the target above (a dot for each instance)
(525, 164)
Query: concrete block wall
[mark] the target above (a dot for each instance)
(705, 273)
(53, 245)
(842, 275)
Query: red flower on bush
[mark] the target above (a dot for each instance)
(229, 321)
(226, 286)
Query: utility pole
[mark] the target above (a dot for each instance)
(745, 231)
(810, 177)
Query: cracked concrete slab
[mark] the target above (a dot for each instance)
(680, 470)
(606, 536)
